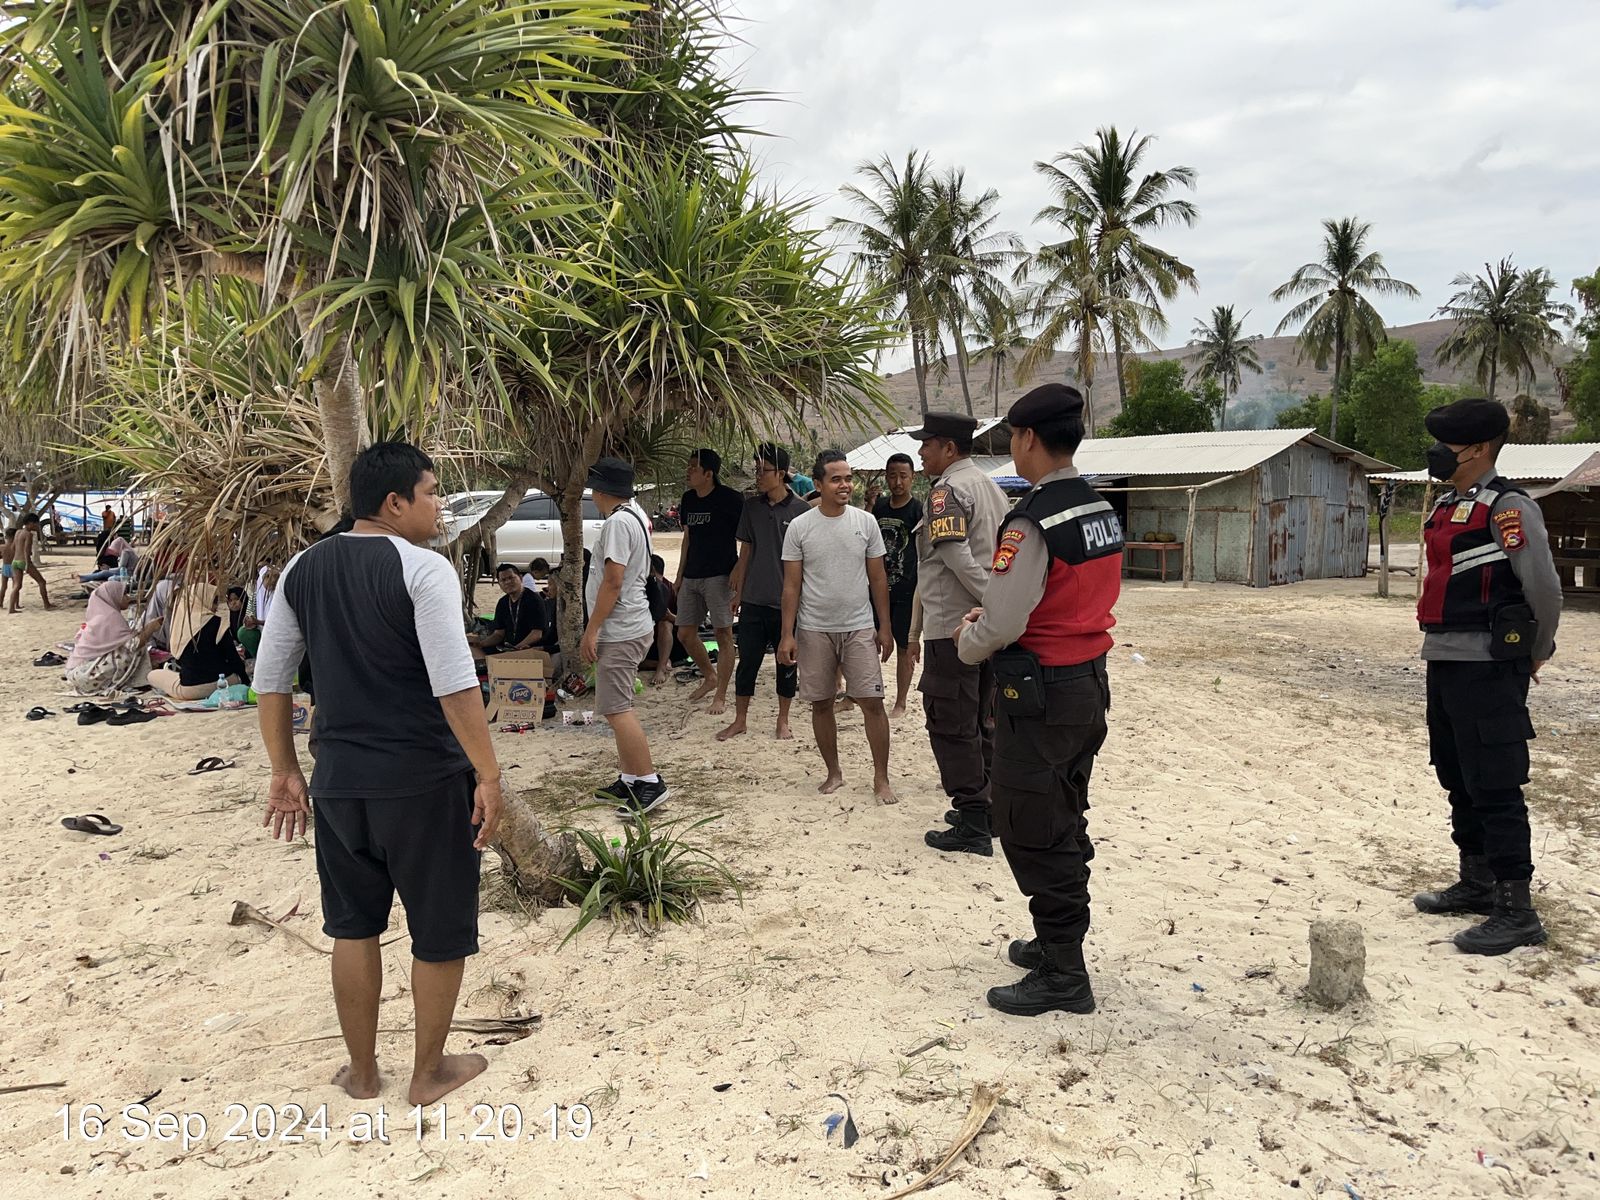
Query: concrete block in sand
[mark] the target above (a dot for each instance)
(1338, 964)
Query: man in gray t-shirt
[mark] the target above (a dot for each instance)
(620, 632)
(836, 617)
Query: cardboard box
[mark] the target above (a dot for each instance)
(517, 687)
(300, 713)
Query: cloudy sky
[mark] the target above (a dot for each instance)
(1463, 130)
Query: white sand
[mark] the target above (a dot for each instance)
(1265, 768)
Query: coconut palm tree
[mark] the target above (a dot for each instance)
(357, 163)
(1225, 351)
(966, 269)
(1100, 194)
(896, 240)
(997, 336)
(1505, 319)
(1074, 303)
(1339, 321)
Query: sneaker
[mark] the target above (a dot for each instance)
(617, 792)
(645, 796)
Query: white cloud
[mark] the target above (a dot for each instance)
(1464, 130)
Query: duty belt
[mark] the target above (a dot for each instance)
(1055, 674)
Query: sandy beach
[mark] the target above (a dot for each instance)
(1266, 767)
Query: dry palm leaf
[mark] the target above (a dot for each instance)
(984, 1099)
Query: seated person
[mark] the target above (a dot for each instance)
(118, 556)
(519, 618)
(235, 611)
(538, 575)
(207, 652)
(666, 650)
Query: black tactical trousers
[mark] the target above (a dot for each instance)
(958, 701)
(1478, 731)
(1041, 797)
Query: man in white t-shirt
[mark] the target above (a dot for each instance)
(620, 633)
(836, 617)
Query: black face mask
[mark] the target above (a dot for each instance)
(1442, 461)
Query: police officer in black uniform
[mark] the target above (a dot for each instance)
(1045, 620)
(1490, 603)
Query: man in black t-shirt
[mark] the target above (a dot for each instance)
(899, 514)
(710, 513)
(519, 618)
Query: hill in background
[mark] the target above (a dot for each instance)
(1285, 381)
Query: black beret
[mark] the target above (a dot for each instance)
(1048, 404)
(945, 425)
(1468, 422)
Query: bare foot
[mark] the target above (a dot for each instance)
(707, 686)
(783, 733)
(658, 678)
(831, 784)
(49, 608)
(884, 792)
(718, 706)
(360, 1087)
(453, 1070)
(899, 710)
(732, 731)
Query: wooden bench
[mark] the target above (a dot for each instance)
(1162, 549)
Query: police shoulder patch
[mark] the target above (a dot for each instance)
(1003, 557)
(1509, 523)
(937, 499)
(1013, 535)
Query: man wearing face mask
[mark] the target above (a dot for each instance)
(1490, 603)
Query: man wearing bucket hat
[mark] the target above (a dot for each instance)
(620, 633)
(1490, 603)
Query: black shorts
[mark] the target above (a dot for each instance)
(420, 846)
(900, 620)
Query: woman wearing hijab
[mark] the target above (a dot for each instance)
(109, 655)
(256, 609)
(206, 651)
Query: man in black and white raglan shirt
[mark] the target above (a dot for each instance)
(404, 764)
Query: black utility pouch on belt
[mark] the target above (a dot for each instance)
(1511, 632)
(1019, 683)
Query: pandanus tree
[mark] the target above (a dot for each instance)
(357, 163)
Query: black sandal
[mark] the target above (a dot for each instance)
(49, 659)
(38, 713)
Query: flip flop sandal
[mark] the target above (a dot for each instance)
(80, 707)
(207, 765)
(93, 714)
(38, 713)
(91, 823)
(129, 718)
(49, 659)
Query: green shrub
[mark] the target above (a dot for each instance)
(650, 875)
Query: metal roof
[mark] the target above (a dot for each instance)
(1197, 455)
(1547, 461)
(874, 455)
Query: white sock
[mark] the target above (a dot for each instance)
(653, 777)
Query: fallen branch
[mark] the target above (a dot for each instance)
(246, 914)
(984, 1099)
(31, 1087)
(518, 1027)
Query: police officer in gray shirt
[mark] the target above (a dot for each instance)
(1490, 604)
(955, 546)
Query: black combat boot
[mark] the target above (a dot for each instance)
(1472, 893)
(1513, 922)
(1059, 982)
(971, 836)
(1025, 954)
(952, 816)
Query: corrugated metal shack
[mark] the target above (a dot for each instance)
(1252, 506)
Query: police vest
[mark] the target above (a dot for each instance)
(1070, 623)
(1469, 575)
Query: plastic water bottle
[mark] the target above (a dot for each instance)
(220, 696)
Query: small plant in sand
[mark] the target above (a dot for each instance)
(650, 875)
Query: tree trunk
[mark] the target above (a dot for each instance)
(1338, 380)
(994, 383)
(534, 859)
(518, 480)
(340, 402)
(569, 590)
(1494, 372)
(1222, 418)
(961, 366)
(1088, 409)
(919, 365)
(1122, 383)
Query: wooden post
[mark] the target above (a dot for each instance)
(1422, 545)
(1188, 540)
(1385, 502)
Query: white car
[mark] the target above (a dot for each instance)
(532, 531)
